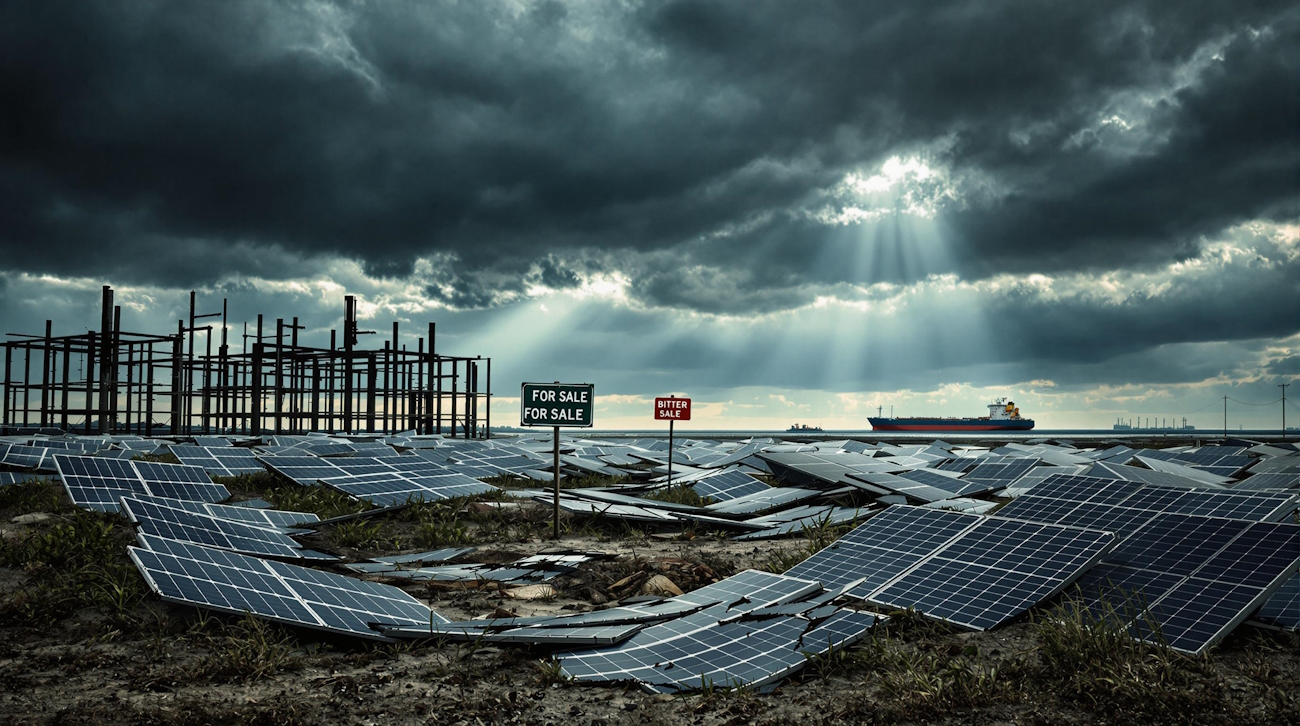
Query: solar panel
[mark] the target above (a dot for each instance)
(727, 485)
(913, 490)
(819, 517)
(1198, 577)
(98, 484)
(233, 583)
(27, 457)
(752, 653)
(762, 501)
(1269, 481)
(1000, 474)
(177, 481)
(203, 529)
(1146, 476)
(963, 504)
(953, 485)
(266, 518)
(1187, 472)
(995, 571)
(637, 658)
(390, 488)
(1283, 608)
(882, 548)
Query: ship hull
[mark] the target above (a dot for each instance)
(949, 424)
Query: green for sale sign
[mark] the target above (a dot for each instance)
(557, 404)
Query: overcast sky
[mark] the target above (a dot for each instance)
(789, 211)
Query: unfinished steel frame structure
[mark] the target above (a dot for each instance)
(119, 382)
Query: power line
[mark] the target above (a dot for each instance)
(1246, 403)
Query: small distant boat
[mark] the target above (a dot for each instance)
(803, 429)
(1003, 416)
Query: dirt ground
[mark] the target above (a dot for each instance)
(93, 647)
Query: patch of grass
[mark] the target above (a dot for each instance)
(167, 458)
(549, 673)
(79, 562)
(37, 495)
(440, 526)
(1093, 659)
(928, 684)
(358, 533)
(322, 501)
(249, 650)
(678, 494)
(589, 480)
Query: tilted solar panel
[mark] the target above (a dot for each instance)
(190, 574)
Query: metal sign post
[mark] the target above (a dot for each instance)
(672, 409)
(556, 405)
(556, 515)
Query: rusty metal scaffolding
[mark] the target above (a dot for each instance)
(119, 382)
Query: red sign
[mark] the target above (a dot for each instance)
(672, 409)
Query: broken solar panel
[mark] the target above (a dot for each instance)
(1187, 472)
(762, 501)
(1257, 482)
(913, 490)
(391, 488)
(1187, 581)
(1146, 476)
(28, 457)
(278, 519)
(636, 513)
(827, 516)
(636, 659)
(963, 504)
(1001, 474)
(609, 497)
(754, 653)
(995, 571)
(238, 584)
(203, 529)
(532, 569)
(98, 484)
(728, 484)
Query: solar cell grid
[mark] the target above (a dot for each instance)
(728, 485)
(1176, 543)
(185, 526)
(995, 571)
(882, 547)
(1000, 474)
(238, 584)
(1283, 608)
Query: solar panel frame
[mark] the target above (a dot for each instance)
(994, 571)
(180, 525)
(239, 584)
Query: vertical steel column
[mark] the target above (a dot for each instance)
(372, 380)
(105, 342)
(487, 426)
(279, 373)
(47, 395)
(255, 400)
(67, 359)
(90, 380)
(178, 388)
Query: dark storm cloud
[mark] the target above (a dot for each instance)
(682, 141)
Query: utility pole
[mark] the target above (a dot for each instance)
(1283, 386)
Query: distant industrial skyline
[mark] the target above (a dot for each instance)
(789, 212)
